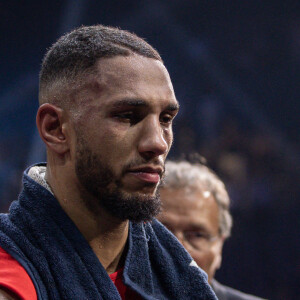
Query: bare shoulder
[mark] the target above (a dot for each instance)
(4, 295)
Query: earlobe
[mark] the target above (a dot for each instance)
(50, 123)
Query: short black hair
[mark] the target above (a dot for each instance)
(78, 51)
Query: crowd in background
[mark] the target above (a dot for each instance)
(235, 70)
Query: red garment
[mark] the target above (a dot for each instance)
(15, 279)
(124, 291)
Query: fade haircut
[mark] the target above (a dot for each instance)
(184, 175)
(75, 54)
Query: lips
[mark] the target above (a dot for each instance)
(147, 174)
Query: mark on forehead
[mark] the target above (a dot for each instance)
(95, 86)
(91, 85)
(80, 93)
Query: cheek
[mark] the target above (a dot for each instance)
(168, 135)
(108, 136)
(204, 259)
(114, 143)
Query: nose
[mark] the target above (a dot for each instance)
(153, 141)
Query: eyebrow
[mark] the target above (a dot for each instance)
(129, 102)
(140, 103)
(173, 107)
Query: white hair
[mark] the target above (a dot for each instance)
(184, 174)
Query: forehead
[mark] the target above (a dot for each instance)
(184, 208)
(131, 69)
(130, 77)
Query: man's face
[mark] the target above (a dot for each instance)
(193, 218)
(123, 131)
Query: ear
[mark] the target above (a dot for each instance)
(51, 125)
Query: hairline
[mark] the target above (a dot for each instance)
(72, 80)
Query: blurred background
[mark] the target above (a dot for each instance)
(235, 67)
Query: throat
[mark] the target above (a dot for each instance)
(111, 249)
(118, 262)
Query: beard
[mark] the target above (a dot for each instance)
(98, 180)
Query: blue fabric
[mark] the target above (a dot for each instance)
(62, 265)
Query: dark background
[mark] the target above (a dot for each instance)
(235, 69)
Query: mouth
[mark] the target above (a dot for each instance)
(147, 174)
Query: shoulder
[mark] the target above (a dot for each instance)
(14, 279)
(165, 245)
(172, 272)
(224, 292)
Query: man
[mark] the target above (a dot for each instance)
(196, 210)
(85, 219)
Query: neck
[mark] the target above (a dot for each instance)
(106, 234)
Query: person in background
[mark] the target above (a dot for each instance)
(83, 226)
(196, 211)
